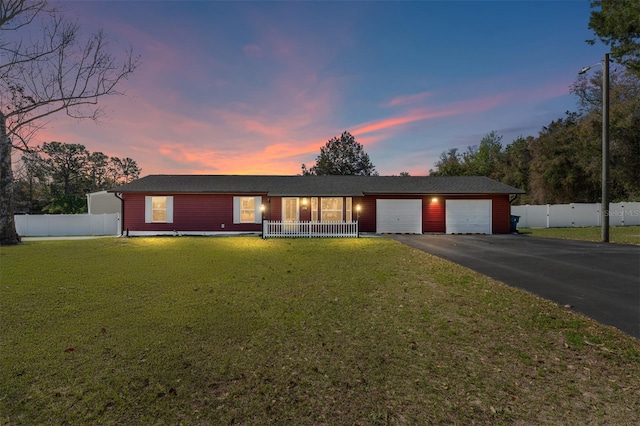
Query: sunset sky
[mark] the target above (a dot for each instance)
(259, 87)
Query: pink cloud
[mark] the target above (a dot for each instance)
(291, 149)
(420, 114)
(409, 99)
(255, 126)
(385, 123)
(273, 159)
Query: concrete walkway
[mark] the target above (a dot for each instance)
(599, 280)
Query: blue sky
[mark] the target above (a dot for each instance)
(259, 87)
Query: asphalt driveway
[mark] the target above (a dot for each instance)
(599, 280)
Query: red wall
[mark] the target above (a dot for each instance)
(433, 214)
(501, 214)
(200, 212)
(367, 213)
(191, 212)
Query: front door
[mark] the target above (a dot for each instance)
(290, 213)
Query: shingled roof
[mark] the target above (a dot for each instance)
(292, 186)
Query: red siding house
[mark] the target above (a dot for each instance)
(233, 204)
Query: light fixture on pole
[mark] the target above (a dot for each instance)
(604, 209)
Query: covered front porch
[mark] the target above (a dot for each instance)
(310, 217)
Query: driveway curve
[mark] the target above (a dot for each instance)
(599, 280)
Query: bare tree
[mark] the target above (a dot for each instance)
(57, 71)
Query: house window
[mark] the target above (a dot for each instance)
(349, 209)
(314, 209)
(247, 210)
(331, 208)
(158, 209)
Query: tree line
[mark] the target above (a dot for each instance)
(563, 163)
(55, 177)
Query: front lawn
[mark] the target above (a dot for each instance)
(617, 234)
(305, 332)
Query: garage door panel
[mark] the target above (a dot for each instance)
(399, 216)
(468, 216)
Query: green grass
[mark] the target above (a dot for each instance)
(617, 234)
(249, 331)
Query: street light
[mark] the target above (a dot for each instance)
(604, 210)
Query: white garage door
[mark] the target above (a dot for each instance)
(399, 216)
(468, 216)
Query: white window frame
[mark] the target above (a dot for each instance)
(348, 204)
(237, 208)
(148, 209)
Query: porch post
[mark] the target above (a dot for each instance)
(264, 225)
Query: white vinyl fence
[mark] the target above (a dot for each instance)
(56, 225)
(276, 229)
(575, 214)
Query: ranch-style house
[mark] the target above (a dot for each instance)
(314, 205)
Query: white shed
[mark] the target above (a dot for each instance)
(103, 202)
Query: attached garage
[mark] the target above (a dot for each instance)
(399, 216)
(468, 216)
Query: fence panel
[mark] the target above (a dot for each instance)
(585, 214)
(560, 215)
(531, 216)
(67, 225)
(624, 214)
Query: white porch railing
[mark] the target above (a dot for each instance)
(277, 229)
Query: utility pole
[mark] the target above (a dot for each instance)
(605, 150)
(604, 208)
